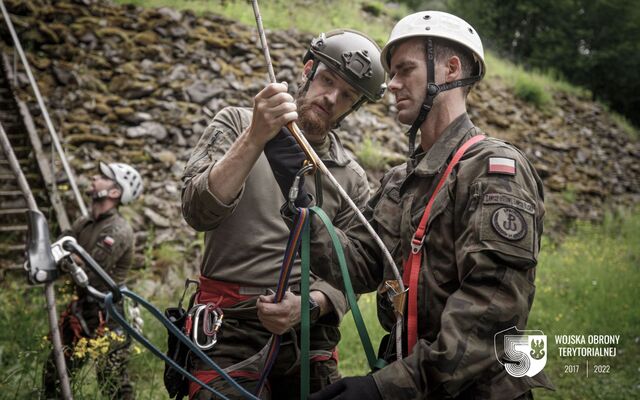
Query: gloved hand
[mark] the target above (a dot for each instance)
(353, 388)
(286, 158)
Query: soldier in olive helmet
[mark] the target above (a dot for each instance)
(231, 193)
(462, 219)
(109, 239)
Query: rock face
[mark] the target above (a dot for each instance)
(140, 85)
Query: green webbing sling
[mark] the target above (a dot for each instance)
(374, 362)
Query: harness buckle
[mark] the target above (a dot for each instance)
(416, 244)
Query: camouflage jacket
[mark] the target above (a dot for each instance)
(245, 240)
(110, 241)
(478, 265)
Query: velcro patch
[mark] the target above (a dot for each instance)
(502, 165)
(108, 241)
(508, 200)
(509, 223)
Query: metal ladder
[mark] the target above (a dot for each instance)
(18, 125)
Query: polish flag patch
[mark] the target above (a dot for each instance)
(502, 165)
(108, 241)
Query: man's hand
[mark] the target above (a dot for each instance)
(286, 158)
(273, 108)
(354, 388)
(279, 318)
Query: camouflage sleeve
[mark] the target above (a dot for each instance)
(496, 245)
(360, 195)
(200, 207)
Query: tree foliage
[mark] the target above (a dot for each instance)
(593, 43)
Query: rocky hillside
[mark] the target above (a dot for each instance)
(139, 85)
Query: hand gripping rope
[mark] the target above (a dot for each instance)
(396, 289)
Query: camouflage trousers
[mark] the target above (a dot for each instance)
(111, 367)
(240, 341)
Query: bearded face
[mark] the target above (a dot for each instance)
(316, 116)
(327, 98)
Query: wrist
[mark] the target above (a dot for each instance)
(324, 305)
(254, 139)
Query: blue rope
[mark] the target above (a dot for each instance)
(108, 301)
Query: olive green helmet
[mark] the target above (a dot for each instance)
(354, 57)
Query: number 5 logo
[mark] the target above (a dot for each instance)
(521, 352)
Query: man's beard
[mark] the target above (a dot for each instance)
(310, 121)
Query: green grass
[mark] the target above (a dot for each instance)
(588, 285)
(532, 92)
(352, 358)
(306, 16)
(514, 75)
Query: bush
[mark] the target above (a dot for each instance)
(532, 92)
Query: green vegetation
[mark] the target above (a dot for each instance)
(370, 155)
(351, 354)
(529, 91)
(586, 286)
(591, 43)
(544, 81)
(376, 20)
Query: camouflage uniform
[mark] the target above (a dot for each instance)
(244, 246)
(109, 240)
(476, 278)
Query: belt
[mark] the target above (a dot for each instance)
(228, 294)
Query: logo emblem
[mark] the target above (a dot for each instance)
(521, 352)
(509, 223)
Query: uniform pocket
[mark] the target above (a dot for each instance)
(388, 216)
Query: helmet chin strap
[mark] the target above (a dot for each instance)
(100, 195)
(432, 91)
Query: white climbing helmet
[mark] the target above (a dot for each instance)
(127, 177)
(435, 24)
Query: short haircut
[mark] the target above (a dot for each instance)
(445, 49)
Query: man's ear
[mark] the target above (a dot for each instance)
(114, 193)
(454, 69)
(308, 66)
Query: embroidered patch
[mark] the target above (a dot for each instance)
(508, 200)
(502, 165)
(509, 223)
(108, 241)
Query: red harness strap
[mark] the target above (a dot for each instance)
(413, 263)
(224, 294)
(208, 376)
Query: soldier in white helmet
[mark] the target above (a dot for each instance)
(462, 218)
(108, 237)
